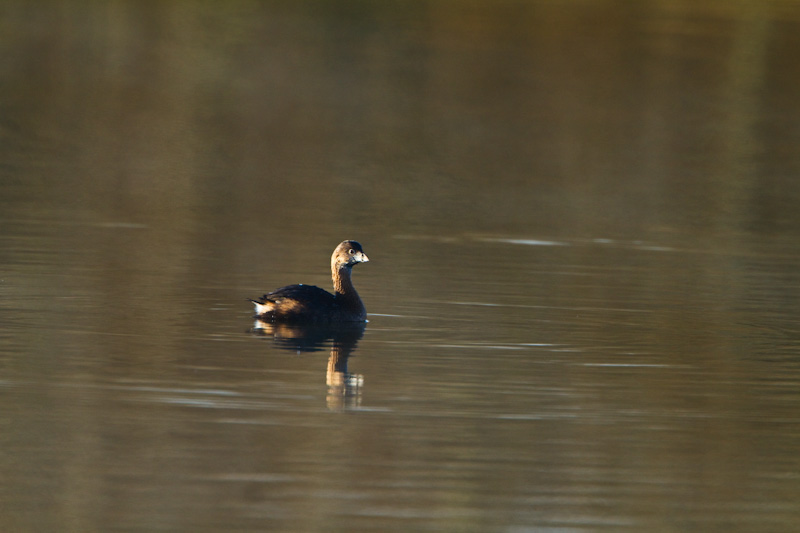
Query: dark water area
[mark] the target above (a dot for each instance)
(584, 280)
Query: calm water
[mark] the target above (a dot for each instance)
(584, 287)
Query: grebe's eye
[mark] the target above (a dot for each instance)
(351, 251)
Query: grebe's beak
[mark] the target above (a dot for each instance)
(361, 257)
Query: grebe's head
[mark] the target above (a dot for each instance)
(348, 254)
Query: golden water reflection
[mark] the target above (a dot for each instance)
(344, 387)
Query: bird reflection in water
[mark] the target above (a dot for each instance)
(344, 388)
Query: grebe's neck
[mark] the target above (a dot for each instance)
(344, 290)
(342, 283)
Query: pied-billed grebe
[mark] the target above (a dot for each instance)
(307, 303)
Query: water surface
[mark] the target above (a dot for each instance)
(583, 286)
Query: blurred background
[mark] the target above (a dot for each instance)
(583, 287)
